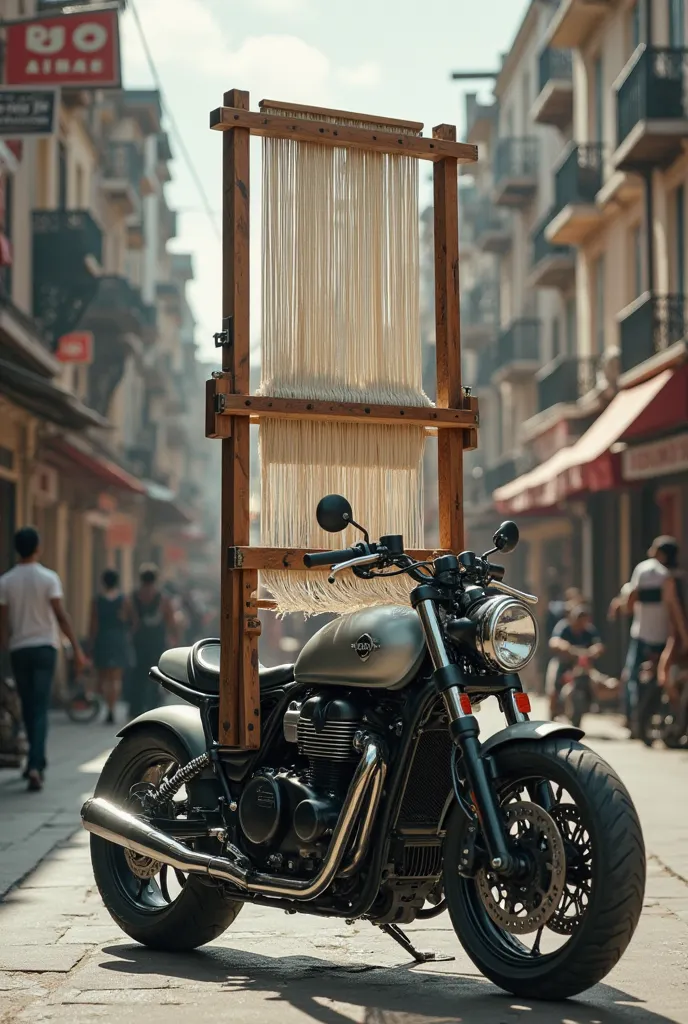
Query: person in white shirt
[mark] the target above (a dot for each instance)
(654, 604)
(31, 615)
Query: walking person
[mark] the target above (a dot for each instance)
(112, 618)
(154, 631)
(31, 615)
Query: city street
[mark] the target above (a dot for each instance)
(63, 960)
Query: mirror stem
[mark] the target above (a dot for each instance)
(352, 522)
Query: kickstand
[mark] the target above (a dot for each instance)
(395, 932)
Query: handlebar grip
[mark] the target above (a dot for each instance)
(330, 557)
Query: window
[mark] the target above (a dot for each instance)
(598, 329)
(680, 221)
(598, 113)
(677, 26)
(637, 250)
(570, 340)
(61, 176)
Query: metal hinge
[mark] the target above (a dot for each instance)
(226, 335)
(235, 558)
(220, 403)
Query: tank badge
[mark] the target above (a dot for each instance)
(365, 645)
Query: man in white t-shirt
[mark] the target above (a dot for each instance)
(31, 616)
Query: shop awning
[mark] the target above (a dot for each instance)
(587, 465)
(96, 465)
(166, 511)
(46, 400)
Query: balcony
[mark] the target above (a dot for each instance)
(492, 229)
(554, 103)
(650, 326)
(497, 476)
(515, 171)
(118, 307)
(553, 266)
(518, 350)
(481, 119)
(67, 250)
(652, 109)
(565, 380)
(574, 22)
(122, 176)
(480, 315)
(577, 181)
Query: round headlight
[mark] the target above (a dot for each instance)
(506, 633)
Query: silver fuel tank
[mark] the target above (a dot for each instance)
(376, 647)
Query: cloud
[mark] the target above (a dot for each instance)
(281, 6)
(366, 74)
(281, 67)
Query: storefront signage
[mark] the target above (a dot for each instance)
(656, 458)
(79, 51)
(75, 348)
(27, 112)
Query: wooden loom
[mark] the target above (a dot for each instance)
(230, 409)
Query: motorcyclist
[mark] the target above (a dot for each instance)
(572, 635)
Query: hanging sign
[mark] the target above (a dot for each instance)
(27, 112)
(670, 455)
(78, 51)
(75, 347)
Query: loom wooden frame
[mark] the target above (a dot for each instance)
(230, 409)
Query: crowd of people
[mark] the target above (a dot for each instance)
(128, 633)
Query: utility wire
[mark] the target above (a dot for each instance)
(173, 124)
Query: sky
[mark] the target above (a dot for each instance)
(378, 56)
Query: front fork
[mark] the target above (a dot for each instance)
(465, 730)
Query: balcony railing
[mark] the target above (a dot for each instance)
(579, 176)
(554, 65)
(63, 277)
(655, 87)
(492, 227)
(565, 380)
(520, 342)
(542, 249)
(654, 324)
(516, 158)
(73, 234)
(497, 476)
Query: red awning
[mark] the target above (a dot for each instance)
(97, 465)
(589, 464)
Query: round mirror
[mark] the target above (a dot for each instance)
(506, 537)
(333, 513)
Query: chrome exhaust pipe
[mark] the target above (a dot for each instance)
(105, 819)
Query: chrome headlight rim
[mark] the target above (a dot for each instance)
(487, 617)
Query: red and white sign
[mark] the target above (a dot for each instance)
(76, 347)
(656, 458)
(74, 50)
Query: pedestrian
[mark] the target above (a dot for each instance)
(112, 618)
(656, 609)
(31, 614)
(154, 631)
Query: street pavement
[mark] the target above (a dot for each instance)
(63, 960)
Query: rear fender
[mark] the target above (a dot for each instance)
(180, 719)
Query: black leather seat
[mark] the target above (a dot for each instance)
(198, 667)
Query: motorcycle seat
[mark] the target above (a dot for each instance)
(198, 667)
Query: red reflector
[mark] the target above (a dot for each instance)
(466, 704)
(522, 702)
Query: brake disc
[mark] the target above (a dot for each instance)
(142, 867)
(520, 906)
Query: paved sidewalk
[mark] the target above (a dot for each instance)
(31, 824)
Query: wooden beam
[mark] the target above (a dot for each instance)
(327, 134)
(277, 559)
(344, 115)
(450, 445)
(239, 693)
(312, 409)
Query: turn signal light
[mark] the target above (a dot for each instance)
(522, 702)
(466, 704)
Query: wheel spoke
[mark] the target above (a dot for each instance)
(535, 951)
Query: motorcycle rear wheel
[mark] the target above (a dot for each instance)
(152, 912)
(605, 877)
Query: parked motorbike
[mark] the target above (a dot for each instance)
(585, 689)
(673, 727)
(372, 796)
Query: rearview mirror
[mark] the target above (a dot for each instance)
(506, 537)
(334, 513)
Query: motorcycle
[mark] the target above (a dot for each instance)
(372, 796)
(585, 689)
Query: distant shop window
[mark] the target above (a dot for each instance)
(669, 503)
(677, 24)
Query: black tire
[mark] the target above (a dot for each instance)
(200, 912)
(618, 871)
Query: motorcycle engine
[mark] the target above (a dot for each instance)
(293, 810)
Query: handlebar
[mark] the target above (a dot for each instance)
(331, 557)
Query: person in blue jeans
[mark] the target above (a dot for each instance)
(31, 614)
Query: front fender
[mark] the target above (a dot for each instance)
(181, 719)
(528, 731)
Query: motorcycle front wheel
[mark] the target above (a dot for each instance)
(547, 937)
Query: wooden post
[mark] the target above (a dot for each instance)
(450, 443)
(239, 628)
